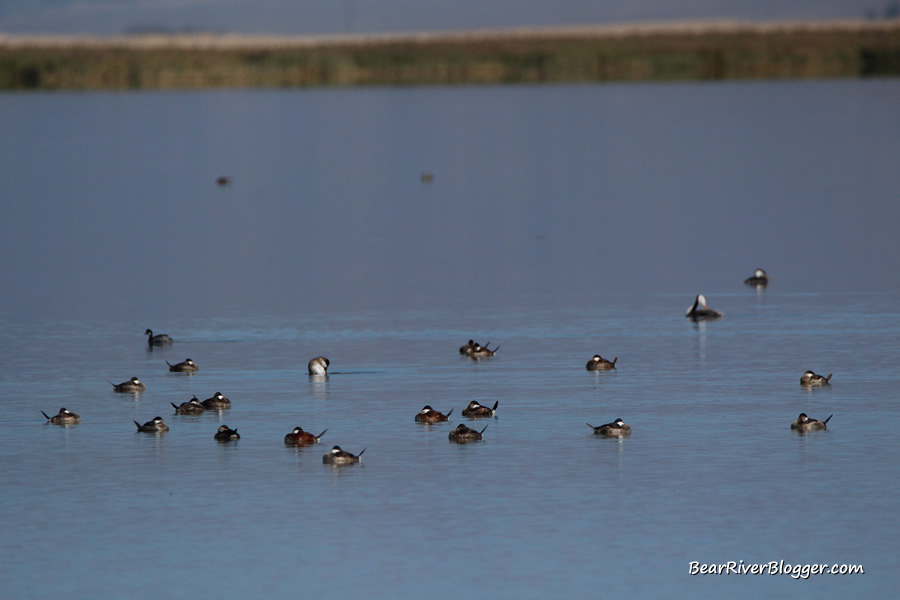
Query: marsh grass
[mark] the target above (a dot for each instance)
(673, 52)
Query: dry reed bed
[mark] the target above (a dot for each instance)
(669, 51)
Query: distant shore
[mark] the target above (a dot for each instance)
(715, 50)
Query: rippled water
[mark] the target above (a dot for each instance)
(712, 472)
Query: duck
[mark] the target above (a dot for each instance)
(429, 415)
(128, 387)
(225, 434)
(336, 456)
(467, 348)
(478, 351)
(598, 363)
(185, 366)
(157, 340)
(157, 425)
(218, 401)
(617, 428)
(810, 379)
(191, 407)
(63, 417)
(298, 437)
(699, 310)
(463, 434)
(804, 423)
(223, 180)
(318, 366)
(476, 410)
(759, 278)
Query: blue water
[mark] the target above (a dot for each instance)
(549, 230)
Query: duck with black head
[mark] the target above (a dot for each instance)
(803, 423)
(191, 407)
(463, 434)
(131, 386)
(226, 434)
(337, 456)
(477, 411)
(157, 340)
(298, 437)
(759, 279)
(810, 379)
(63, 417)
(617, 428)
(157, 425)
(217, 402)
(598, 363)
(700, 311)
(185, 366)
(429, 415)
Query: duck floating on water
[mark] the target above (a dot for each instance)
(336, 456)
(157, 425)
(318, 366)
(131, 386)
(226, 434)
(298, 437)
(699, 310)
(185, 366)
(191, 407)
(429, 415)
(617, 428)
(476, 410)
(473, 349)
(157, 340)
(598, 363)
(217, 402)
(759, 279)
(463, 434)
(810, 379)
(804, 423)
(63, 417)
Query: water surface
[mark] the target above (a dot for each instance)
(562, 222)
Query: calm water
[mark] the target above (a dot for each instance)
(562, 222)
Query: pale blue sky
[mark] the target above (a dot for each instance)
(361, 16)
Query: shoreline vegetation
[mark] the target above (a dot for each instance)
(677, 51)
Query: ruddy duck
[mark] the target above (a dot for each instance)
(466, 348)
(336, 456)
(318, 366)
(463, 434)
(224, 434)
(223, 180)
(191, 407)
(218, 401)
(429, 415)
(128, 387)
(759, 278)
(155, 426)
(474, 409)
(479, 351)
(699, 310)
(598, 363)
(810, 379)
(186, 366)
(157, 340)
(617, 428)
(804, 423)
(298, 437)
(63, 417)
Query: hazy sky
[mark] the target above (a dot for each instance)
(359, 16)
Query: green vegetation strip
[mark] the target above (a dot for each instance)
(665, 52)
